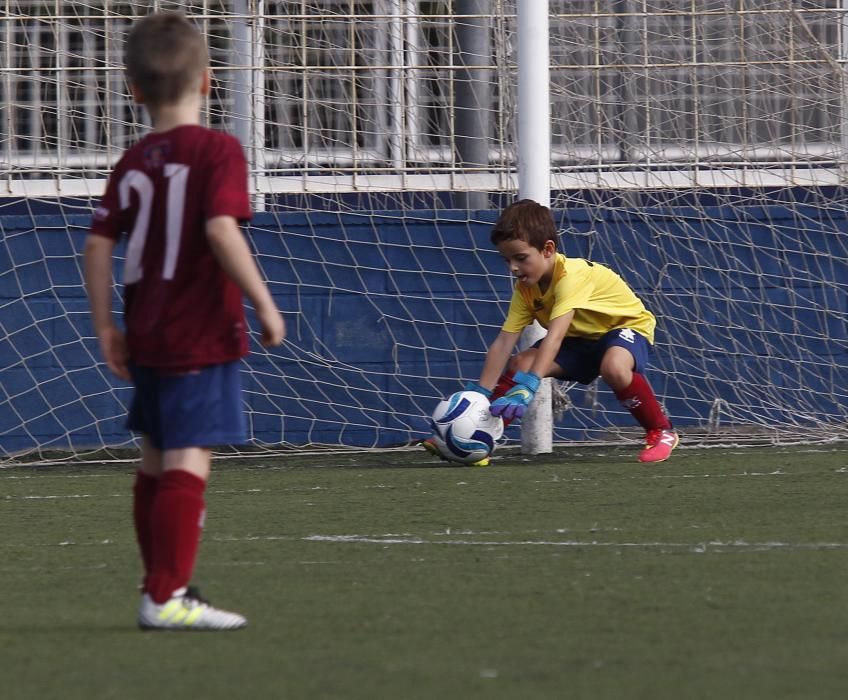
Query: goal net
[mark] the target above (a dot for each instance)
(699, 149)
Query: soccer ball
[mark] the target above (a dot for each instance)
(463, 428)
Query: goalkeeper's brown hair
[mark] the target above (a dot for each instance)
(165, 58)
(525, 220)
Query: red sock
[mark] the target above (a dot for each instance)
(176, 522)
(505, 382)
(640, 400)
(144, 493)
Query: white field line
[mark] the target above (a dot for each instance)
(714, 547)
(694, 546)
(125, 478)
(304, 489)
(206, 565)
(555, 479)
(408, 539)
(128, 477)
(128, 494)
(405, 539)
(301, 490)
(66, 496)
(81, 567)
(48, 475)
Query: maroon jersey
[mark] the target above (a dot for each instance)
(181, 310)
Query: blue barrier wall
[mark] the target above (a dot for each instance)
(388, 311)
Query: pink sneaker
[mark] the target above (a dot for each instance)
(658, 445)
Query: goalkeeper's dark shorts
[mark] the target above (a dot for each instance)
(580, 358)
(202, 408)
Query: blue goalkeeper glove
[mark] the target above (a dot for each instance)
(514, 403)
(474, 386)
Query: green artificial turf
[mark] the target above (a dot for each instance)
(722, 573)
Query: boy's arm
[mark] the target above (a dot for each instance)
(550, 345)
(514, 403)
(496, 358)
(233, 254)
(97, 268)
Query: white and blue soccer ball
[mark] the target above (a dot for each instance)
(463, 428)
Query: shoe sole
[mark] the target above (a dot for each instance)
(157, 628)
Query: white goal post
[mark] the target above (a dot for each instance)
(534, 177)
(699, 149)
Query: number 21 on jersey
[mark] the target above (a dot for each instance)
(139, 182)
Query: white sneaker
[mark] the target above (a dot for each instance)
(186, 610)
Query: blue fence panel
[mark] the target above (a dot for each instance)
(387, 311)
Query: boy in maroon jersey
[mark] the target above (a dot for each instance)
(179, 194)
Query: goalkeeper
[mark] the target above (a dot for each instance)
(596, 327)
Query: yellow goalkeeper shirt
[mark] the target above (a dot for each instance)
(600, 299)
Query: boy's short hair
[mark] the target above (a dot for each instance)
(165, 57)
(525, 220)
